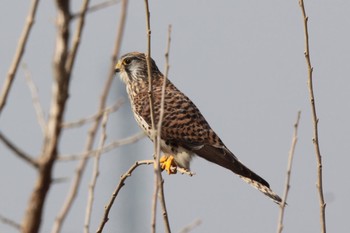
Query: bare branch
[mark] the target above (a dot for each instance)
(35, 98)
(108, 207)
(289, 170)
(121, 183)
(159, 127)
(95, 174)
(93, 130)
(20, 153)
(105, 149)
(77, 36)
(314, 121)
(78, 123)
(19, 53)
(97, 7)
(191, 226)
(10, 222)
(157, 174)
(32, 219)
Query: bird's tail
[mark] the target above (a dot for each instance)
(263, 188)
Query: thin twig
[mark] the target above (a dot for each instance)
(18, 152)
(105, 149)
(95, 174)
(121, 184)
(315, 119)
(191, 226)
(157, 174)
(108, 207)
(97, 7)
(159, 127)
(93, 130)
(289, 170)
(10, 222)
(19, 53)
(77, 36)
(81, 122)
(35, 98)
(33, 216)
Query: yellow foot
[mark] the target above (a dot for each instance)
(168, 164)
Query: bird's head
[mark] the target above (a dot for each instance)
(133, 68)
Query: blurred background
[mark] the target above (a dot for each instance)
(242, 64)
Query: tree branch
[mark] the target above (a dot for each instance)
(32, 219)
(19, 53)
(314, 121)
(92, 118)
(20, 153)
(35, 98)
(289, 170)
(93, 130)
(10, 222)
(95, 174)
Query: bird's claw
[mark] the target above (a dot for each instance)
(168, 164)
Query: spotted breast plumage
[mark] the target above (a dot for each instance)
(184, 132)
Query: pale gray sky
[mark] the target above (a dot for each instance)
(242, 63)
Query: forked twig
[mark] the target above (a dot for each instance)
(289, 170)
(314, 120)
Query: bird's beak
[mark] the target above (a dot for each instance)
(117, 67)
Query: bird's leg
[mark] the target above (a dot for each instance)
(168, 164)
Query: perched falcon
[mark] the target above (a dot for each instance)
(184, 131)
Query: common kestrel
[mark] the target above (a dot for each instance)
(184, 132)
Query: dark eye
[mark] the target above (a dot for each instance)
(127, 61)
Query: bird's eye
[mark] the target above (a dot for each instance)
(127, 61)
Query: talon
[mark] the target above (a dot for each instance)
(168, 164)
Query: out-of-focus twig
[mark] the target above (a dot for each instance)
(35, 98)
(92, 118)
(97, 7)
(18, 152)
(95, 174)
(314, 120)
(19, 53)
(289, 170)
(105, 149)
(10, 222)
(191, 226)
(93, 130)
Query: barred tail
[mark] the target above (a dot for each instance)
(263, 188)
